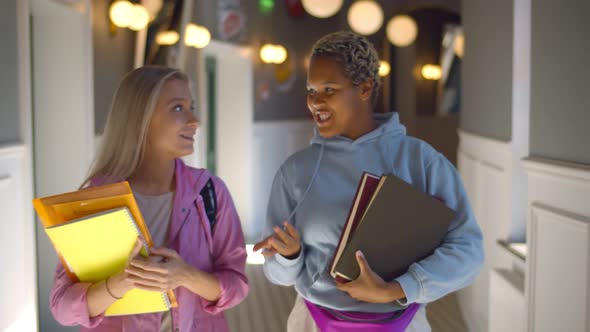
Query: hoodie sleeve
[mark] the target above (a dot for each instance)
(458, 260)
(229, 254)
(278, 269)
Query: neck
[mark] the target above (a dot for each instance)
(364, 125)
(154, 176)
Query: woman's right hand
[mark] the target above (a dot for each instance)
(286, 242)
(102, 294)
(119, 284)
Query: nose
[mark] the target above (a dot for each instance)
(316, 100)
(192, 120)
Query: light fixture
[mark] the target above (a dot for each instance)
(121, 13)
(321, 8)
(153, 7)
(401, 30)
(196, 36)
(141, 18)
(431, 72)
(384, 68)
(365, 17)
(459, 45)
(124, 14)
(167, 37)
(270, 53)
(266, 6)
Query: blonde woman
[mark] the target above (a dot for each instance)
(199, 256)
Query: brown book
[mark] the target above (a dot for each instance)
(364, 192)
(401, 225)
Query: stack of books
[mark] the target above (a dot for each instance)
(93, 232)
(393, 224)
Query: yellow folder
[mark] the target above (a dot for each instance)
(93, 231)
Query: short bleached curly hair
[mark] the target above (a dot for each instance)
(357, 55)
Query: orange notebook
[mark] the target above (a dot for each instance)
(60, 209)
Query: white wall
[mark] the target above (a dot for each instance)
(17, 234)
(63, 127)
(556, 294)
(9, 60)
(558, 235)
(507, 302)
(234, 112)
(18, 307)
(485, 168)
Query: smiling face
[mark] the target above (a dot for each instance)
(173, 125)
(339, 108)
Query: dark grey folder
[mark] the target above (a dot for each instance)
(401, 226)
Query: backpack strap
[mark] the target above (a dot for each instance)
(210, 202)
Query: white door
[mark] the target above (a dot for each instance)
(63, 116)
(227, 117)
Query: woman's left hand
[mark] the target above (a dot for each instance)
(369, 286)
(162, 271)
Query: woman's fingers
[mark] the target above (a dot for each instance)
(292, 231)
(147, 279)
(144, 274)
(262, 244)
(149, 265)
(283, 236)
(285, 241)
(269, 252)
(278, 245)
(136, 249)
(153, 288)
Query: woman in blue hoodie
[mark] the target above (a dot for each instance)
(312, 192)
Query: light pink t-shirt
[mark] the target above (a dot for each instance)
(156, 211)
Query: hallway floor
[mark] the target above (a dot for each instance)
(267, 307)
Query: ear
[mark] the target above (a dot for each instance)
(366, 89)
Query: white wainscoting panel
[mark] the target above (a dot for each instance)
(485, 168)
(558, 235)
(507, 301)
(17, 235)
(274, 141)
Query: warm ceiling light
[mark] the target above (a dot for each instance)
(365, 17)
(459, 45)
(270, 53)
(167, 37)
(121, 13)
(321, 8)
(141, 18)
(196, 36)
(431, 72)
(402, 30)
(384, 68)
(280, 54)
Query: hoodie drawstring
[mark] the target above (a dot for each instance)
(315, 172)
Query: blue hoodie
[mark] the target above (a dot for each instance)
(320, 210)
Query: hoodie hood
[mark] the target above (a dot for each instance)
(388, 124)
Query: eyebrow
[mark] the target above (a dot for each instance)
(328, 82)
(173, 100)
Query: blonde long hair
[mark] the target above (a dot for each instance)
(124, 139)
